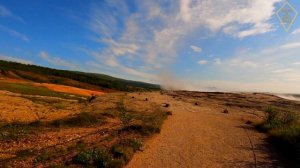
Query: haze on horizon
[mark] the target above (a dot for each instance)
(225, 45)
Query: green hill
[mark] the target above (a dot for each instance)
(73, 78)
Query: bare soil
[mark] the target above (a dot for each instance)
(200, 134)
(70, 89)
(205, 129)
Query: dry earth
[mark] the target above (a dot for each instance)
(203, 136)
(198, 134)
(69, 89)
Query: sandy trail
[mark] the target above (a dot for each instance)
(203, 136)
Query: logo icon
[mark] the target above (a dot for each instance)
(287, 14)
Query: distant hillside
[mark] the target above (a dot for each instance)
(72, 78)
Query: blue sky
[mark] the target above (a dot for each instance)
(236, 45)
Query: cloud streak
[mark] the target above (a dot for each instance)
(196, 49)
(57, 61)
(152, 35)
(4, 12)
(14, 33)
(14, 59)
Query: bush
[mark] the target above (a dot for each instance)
(123, 152)
(14, 131)
(82, 119)
(98, 158)
(136, 144)
(284, 132)
(276, 118)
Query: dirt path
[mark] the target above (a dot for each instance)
(203, 136)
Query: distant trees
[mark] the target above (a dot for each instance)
(55, 76)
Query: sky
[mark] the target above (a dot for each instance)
(206, 45)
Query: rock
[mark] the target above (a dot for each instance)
(225, 111)
(169, 113)
(90, 99)
(166, 105)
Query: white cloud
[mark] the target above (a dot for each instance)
(297, 31)
(202, 62)
(296, 63)
(121, 48)
(290, 45)
(217, 61)
(56, 60)
(280, 71)
(152, 36)
(270, 66)
(219, 14)
(14, 33)
(196, 49)
(14, 59)
(238, 62)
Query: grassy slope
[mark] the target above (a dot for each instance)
(28, 89)
(60, 76)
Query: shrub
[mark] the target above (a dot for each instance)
(123, 152)
(82, 119)
(96, 157)
(136, 144)
(14, 131)
(284, 132)
(276, 118)
(49, 154)
(25, 152)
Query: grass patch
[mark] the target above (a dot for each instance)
(17, 130)
(25, 153)
(82, 119)
(49, 154)
(14, 131)
(144, 123)
(97, 158)
(59, 106)
(119, 144)
(125, 149)
(284, 131)
(28, 89)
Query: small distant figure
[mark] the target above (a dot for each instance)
(146, 99)
(90, 99)
(132, 97)
(196, 104)
(225, 111)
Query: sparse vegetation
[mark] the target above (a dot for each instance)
(28, 89)
(25, 153)
(97, 158)
(111, 148)
(49, 154)
(14, 131)
(284, 130)
(82, 119)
